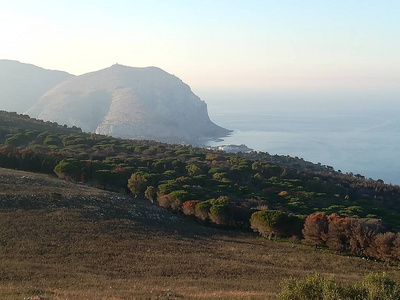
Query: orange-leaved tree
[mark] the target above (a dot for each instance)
(316, 228)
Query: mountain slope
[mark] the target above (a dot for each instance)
(21, 85)
(141, 103)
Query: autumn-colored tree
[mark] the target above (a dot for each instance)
(164, 201)
(188, 207)
(396, 248)
(337, 239)
(316, 228)
(382, 246)
(361, 233)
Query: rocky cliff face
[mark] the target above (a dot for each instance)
(21, 84)
(142, 103)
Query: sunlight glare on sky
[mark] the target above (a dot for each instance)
(220, 45)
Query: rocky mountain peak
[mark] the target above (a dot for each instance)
(143, 103)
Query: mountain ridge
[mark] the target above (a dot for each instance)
(22, 84)
(129, 102)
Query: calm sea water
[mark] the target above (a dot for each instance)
(361, 138)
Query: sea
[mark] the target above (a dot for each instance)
(362, 137)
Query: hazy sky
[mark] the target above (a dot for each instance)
(215, 45)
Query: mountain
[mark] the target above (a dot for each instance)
(21, 85)
(127, 102)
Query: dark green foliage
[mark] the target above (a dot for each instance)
(70, 169)
(270, 223)
(220, 214)
(177, 198)
(104, 177)
(202, 209)
(223, 200)
(166, 188)
(16, 140)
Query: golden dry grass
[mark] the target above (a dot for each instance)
(76, 252)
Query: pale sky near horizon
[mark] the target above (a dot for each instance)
(220, 45)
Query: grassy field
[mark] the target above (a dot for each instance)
(64, 241)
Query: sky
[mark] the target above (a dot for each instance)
(242, 47)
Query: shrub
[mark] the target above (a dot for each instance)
(219, 213)
(379, 286)
(137, 183)
(314, 287)
(164, 201)
(177, 198)
(150, 193)
(202, 209)
(69, 169)
(269, 223)
(223, 200)
(167, 188)
(317, 287)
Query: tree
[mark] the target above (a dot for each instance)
(396, 248)
(219, 214)
(177, 198)
(188, 207)
(337, 239)
(70, 169)
(316, 228)
(269, 223)
(361, 234)
(137, 183)
(193, 170)
(382, 246)
(103, 176)
(202, 209)
(150, 193)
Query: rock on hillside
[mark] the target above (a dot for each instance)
(127, 102)
(21, 85)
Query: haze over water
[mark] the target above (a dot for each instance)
(351, 136)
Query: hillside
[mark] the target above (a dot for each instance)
(201, 205)
(140, 103)
(61, 240)
(21, 85)
(251, 181)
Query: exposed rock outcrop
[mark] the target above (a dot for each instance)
(142, 103)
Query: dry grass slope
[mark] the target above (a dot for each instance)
(83, 243)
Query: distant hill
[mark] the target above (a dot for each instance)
(21, 85)
(140, 103)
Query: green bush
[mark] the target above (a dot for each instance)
(69, 169)
(219, 213)
(202, 209)
(269, 222)
(317, 287)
